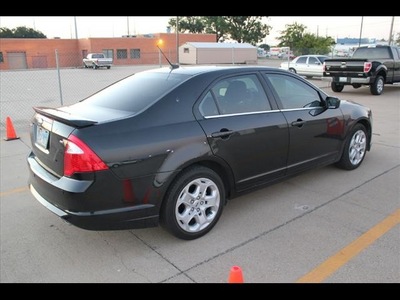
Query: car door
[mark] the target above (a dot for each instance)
(244, 130)
(314, 131)
(301, 65)
(314, 67)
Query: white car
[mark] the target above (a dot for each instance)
(306, 65)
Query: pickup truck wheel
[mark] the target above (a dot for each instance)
(108, 67)
(377, 87)
(337, 87)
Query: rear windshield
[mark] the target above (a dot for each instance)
(369, 53)
(136, 92)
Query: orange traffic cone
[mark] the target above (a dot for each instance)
(11, 135)
(235, 275)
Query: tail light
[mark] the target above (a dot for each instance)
(367, 66)
(78, 157)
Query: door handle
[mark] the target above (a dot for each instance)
(298, 123)
(222, 134)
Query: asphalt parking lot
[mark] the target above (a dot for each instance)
(324, 226)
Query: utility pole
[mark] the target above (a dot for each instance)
(177, 40)
(127, 24)
(391, 32)
(76, 29)
(359, 41)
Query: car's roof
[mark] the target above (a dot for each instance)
(196, 69)
(313, 55)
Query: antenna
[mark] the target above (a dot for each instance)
(171, 64)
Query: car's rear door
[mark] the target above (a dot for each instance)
(244, 130)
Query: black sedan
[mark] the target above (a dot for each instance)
(171, 146)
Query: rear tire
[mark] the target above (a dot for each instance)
(355, 148)
(292, 70)
(337, 87)
(193, 203)
(377, 87)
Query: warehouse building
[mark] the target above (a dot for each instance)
(197, 53)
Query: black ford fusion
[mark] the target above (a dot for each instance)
(172, 146)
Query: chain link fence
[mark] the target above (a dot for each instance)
(65, 84)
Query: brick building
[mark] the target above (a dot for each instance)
(17, 54)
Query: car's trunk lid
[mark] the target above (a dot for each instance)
(52, 126)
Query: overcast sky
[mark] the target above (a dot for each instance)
(336, 27)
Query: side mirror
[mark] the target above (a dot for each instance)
(332, 102)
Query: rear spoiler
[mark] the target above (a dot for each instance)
(64, 117)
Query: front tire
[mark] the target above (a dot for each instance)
(377, 87)
(193, 204)
(337, 87)
(355, 149)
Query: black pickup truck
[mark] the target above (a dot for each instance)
(372, 66)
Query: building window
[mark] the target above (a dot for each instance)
(1, 57)
(122, 54)
(135, 53)
(185, 50)
(109, 53)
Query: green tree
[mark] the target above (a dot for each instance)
(247, 29)
(301, 42)
(6, 33)
(265, 47)
(188, 24)
(21, 32)
(218, 26)
(243, 29)
(397, 40)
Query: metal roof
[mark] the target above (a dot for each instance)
(220, 45)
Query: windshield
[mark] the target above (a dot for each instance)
(136, 92)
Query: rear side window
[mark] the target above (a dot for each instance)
(235, 95)
(301, 60)
(136, 92)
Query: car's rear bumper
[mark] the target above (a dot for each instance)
(114, 219)
(348, 80)
(85, 208)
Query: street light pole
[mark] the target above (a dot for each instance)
(159, 43)
(177, 40)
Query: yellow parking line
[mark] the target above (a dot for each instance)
(18, 190)
(332, 264)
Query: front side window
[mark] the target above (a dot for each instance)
(293, 93)
(313, 61)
